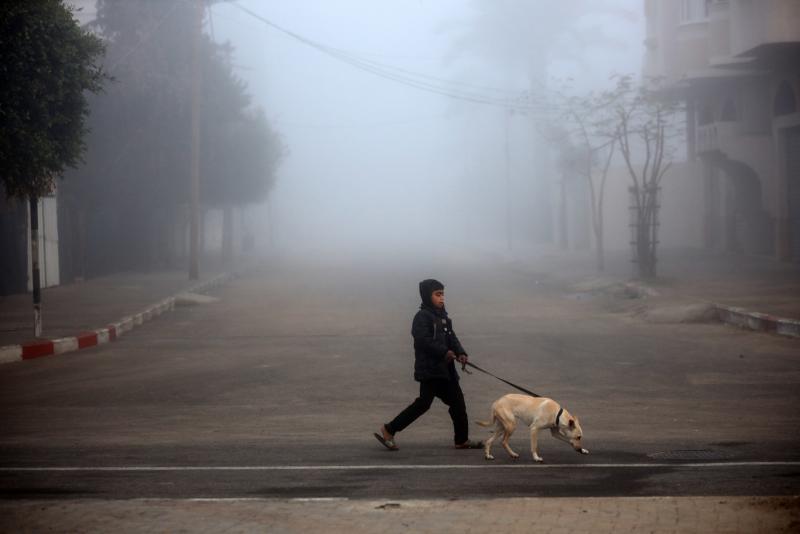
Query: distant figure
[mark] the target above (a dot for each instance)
(436, 348)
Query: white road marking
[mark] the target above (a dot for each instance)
(244, 499)
(318, 499)
(392, 467)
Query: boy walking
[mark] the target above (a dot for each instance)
(436, 348)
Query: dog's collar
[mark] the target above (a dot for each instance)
(558, 415)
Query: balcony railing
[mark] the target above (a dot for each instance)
(714, 136)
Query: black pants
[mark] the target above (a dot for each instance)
(450, 393)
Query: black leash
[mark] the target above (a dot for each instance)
(513, 385)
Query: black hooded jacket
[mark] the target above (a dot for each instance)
(433, 336)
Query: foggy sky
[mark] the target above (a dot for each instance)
(373, 162)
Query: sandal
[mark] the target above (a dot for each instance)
(388, 443)
(469, 444)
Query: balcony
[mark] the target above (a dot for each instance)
(715, 137)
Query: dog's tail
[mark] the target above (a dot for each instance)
(486, 423)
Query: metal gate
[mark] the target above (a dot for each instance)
(793, 193)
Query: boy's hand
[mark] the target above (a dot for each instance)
(463, 359)
(450, 356)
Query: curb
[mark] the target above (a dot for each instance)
(740, 317)
(51, 347)
(761, 322)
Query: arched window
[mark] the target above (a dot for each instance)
(728, 112)
(785, 102)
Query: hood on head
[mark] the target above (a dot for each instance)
(426, 289)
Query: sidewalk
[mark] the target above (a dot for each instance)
(85, 306)
(752, 285)
(597, 515)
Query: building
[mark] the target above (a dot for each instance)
(736, 63)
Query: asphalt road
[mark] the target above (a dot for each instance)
(275, 391)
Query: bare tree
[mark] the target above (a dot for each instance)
(586, 140)
(647, 124)
(519, 39)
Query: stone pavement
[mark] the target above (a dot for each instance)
(597, 515)
(73, 308)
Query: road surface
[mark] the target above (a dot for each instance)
(275, 391)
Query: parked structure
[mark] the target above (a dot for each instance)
(737, 65)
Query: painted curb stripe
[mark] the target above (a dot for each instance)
(125, 324)
(10, 353)
(49, 347)
(102, 336)
(37, 349)
(405, 467)
(87, 339)
(761, 322)
(65, 344)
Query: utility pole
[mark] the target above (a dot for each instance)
(509, 240)
(194, 188)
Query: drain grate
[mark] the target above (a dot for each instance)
(690, 454)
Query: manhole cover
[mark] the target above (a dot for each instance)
(690, 454)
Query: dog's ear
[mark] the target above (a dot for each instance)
(572, 423)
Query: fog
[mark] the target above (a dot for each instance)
(376, 164)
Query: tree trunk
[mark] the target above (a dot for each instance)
(227, 235)
(37, 292)
(645, 248)
(563, 241)
(599, 245)
(81, 263)
(601, 262)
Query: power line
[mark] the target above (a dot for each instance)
(507, 92)
(344, 125)
(407, 77)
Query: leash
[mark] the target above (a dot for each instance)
(513, 385)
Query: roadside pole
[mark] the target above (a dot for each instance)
(37, 292)
(509, 238)
(194, 193)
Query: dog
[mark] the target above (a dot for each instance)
(538, 413)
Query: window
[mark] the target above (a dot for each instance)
(784, 102)
(704, 115)
(693, 10)
(728, 113)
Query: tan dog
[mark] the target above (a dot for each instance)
(537, 413)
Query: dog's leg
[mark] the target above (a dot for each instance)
(487, 447)
(509, 429)
(535, 444)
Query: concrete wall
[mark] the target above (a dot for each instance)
(756, 22)
(676, 49)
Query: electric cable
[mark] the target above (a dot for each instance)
(404, 76)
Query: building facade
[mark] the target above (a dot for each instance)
(736, 63)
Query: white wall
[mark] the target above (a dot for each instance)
(48, 244)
